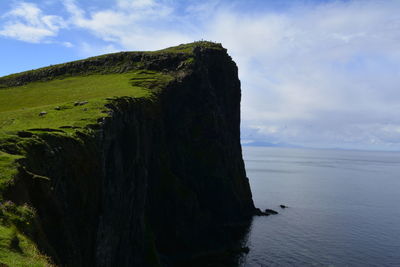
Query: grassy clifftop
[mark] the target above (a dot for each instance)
(113, 63)
(69, 99)
(75, 94)
(74, 101)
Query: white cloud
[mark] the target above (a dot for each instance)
(26, 33)
(26, 22)
(135, 4)
(67, 44)
(129, 24)
(320, 75)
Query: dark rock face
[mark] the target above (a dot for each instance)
(158, 182)
(202, 159)
(61, 178)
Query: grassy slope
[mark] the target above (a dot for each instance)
(186, 49)
(27, 253)
(20, 106)
(19, 112)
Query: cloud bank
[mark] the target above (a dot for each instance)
(319, 74)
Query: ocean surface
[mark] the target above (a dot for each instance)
(344, 207)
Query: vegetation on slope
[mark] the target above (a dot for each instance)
(70, 102)
(109, 63)
(17, 250)
(189, 48)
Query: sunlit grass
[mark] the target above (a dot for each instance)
(20, 107)
(24, 254)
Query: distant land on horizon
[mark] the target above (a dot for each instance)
(259, 143)
(266, 144)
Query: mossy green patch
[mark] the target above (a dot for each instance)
(8, 169)
(18, 250)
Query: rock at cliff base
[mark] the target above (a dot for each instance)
(271, 212)
(258, 212)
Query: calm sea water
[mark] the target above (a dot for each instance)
(344, 207)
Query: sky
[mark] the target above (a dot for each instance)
(314, 73)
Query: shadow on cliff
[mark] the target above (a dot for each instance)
(231, 251)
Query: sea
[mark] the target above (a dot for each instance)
(343, 207)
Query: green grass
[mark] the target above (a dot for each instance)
(25, 254)
(20, 106)
(188, 48)
(16, 249)
(8, 169)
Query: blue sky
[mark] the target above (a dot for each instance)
(314, 73)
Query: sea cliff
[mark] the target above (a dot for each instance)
(142, 166)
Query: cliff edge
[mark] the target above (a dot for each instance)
(126, 159)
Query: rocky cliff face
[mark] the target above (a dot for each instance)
(155, 183)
